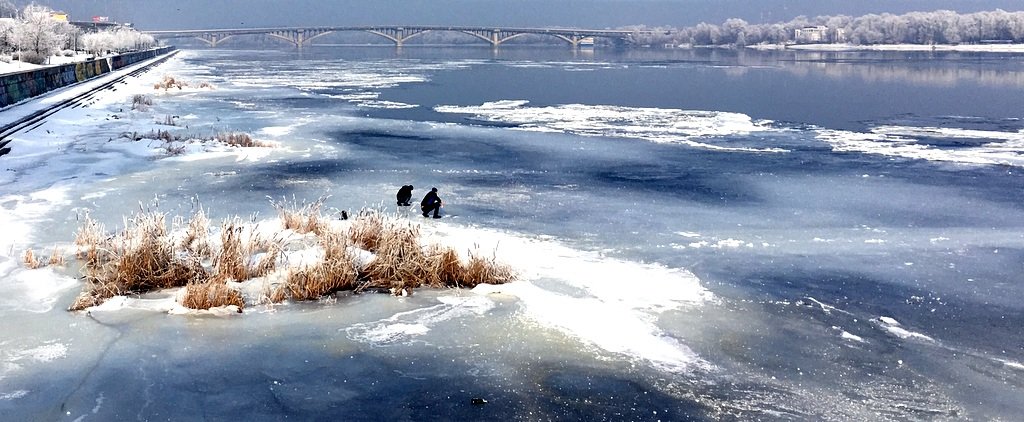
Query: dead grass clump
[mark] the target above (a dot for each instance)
(171, 149)
(144, 256)
(196, 240)
(91, 241)
(211, 294)
(30, 261)
(140, 258)
(278, 294)
(367, 229)
(170, 82)
(230, 262)
(444, 267)
(303, 218)
(399, 263)
(159, 135)
(480, 270)
(141, 102)
(56, 257)
(238, 139)
(337, 271)
(267, 263)
(168, 121)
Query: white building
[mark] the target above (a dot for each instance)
(818, 34)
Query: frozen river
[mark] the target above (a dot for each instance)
(700, 235)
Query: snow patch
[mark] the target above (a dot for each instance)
(652, 124)
(893, 327)
(991, 147)
(617, 307)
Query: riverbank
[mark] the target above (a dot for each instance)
(967, 48)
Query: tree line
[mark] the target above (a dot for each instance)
(34, 33)
(938, 27)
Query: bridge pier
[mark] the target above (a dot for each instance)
(493, 36)
(299, 37)
(212, 39)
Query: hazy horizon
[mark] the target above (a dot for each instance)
(197, 14)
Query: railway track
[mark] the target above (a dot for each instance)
(28, 123)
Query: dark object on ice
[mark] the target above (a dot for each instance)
(4, 150)
(404, 195)
(344, 215)
(431, 202)
(478, 401)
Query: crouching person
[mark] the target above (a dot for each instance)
(431, 202)
(404, 195)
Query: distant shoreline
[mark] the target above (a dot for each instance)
(973, 48)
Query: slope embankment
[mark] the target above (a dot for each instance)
(18, 87)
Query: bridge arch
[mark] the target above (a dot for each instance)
(398, 35)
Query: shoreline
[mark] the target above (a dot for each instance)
(964, 48)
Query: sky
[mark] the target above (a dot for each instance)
(594, 14)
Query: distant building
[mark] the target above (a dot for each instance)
(60, 16)
(819, 34)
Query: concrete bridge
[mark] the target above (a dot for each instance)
(300, 36)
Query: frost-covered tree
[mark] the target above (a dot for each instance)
(117, 40)
(39, 34)
(6, 29)
(938, 27)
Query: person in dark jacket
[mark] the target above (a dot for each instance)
(431, 202)
(404, 195)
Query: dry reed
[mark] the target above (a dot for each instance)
(211, 294)
(140, 258)
(230, 261)
(399, 263)
(304, 218)
(196, 239)
(336, 271)
(56, 257)
(170, 82)
(143, 256)
(236, 139)
(90, 239)
(29, 259)
(141, 102)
